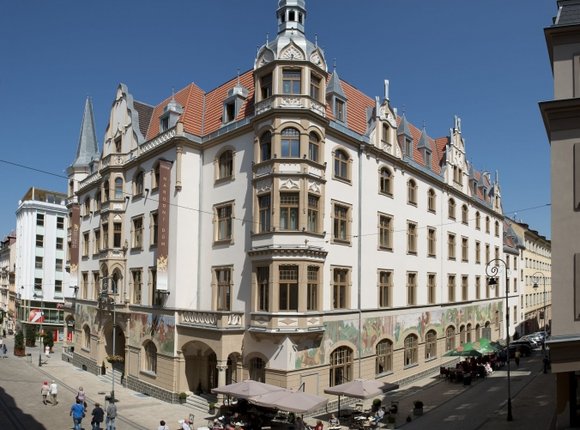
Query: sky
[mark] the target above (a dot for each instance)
(485, 61)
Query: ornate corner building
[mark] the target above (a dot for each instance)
(283, 227)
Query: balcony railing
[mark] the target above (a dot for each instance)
(287, 322)
(220, 320)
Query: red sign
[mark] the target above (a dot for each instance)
(36, 316)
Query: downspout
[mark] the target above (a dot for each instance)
(359, 259)
(199, 230)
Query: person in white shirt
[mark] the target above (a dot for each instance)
(53, 391)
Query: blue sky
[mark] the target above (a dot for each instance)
(483, 61)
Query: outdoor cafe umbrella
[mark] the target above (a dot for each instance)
(486, 346)
(360, 389)
(291, 401)
(246, 389)
(465, 350)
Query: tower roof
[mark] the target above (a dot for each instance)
(87, 148)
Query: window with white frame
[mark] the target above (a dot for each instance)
(411, 288)
(412, 192)
(263, 281)
(384, 360)
(340, 288)
(226, 165)
(264, 211)
(223, 279)
(340, 369)
(431, 200)
(340, 229)
(411, 352)
(291, 81)
(289, 207)
(411, 237)
(385, 232)
(224, 222)
(341, 164)
(313, 286)
(290, 143)
(137, 233)
(386, 181)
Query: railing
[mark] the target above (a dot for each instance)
(287, 101)
(286, 322)
(222, 320)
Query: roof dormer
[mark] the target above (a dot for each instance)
(336, 98)
(424, 148)
(170, 115)
(232, 104)
(405, 137)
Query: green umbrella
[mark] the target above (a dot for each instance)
(465, 350)
(485, 346)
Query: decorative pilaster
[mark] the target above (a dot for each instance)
(222, 366)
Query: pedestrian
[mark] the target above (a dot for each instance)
(546, 362)
(77, 412)
(319, 425)
(53, 391)
(44, 390)
(47, 352)
(98, 415)
(517, 356)
(81, 396)
(5, 351)
(162, 425)
(111, 415)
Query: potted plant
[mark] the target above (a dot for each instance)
(211, 407)
(182, 397)
(417, 407)
(115, 358)
(19, 347)
(391, 421)
(48, 340)
(376, 405)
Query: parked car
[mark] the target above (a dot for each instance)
(535, 341)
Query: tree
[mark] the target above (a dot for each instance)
(19, 348)
(47, 340)
(30, 336)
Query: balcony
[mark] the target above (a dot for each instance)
(216, 320)
(289, 322)
(287, 101)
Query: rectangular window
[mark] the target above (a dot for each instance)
(38, 262)
(137, 279)
(97, 244)
(411, 288)
(39, 241)
(59, 243)
(291, 81)
(224, 222)
(96, 283)
(58, 264)
(117, 234)
(339, 110)
(313, 286)
(385, 232)
(477, 252)
(138, 232)
(340, 224)
(40, 220)
(464, 288)
(478, 287)
(339, 288)
(411, 238)
(263, 279)
(224, 286)
(464, 249)
(86, 242)
(60, 223)
(431, 288)
(289, 205)
(431, 242)
(38, 285)
(105, 229)
(451, 246)
(451, 288)
(266, 86)
(315, 82)
(385, 288)
(486, 253)
(496, 252)
(58, 288)
(265, 210)
(313, 212)
(153, 229)
(288, 294)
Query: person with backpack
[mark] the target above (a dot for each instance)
(77, 412)
(98, 415)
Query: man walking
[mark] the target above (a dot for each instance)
(111, 415)
(53, 391)
(77, 412)
(98, 415)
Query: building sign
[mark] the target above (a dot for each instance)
(75, 222)
(163, 227)
(35, 316)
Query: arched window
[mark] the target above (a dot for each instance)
(477, 332)
(386, 181)
(266, 146)
(477, 220)
(384, 361)
(138, 189)
(87, 337)
(340, 366)
(431, 200)
(451, 209)
(257, 369)
(430, 345)
(412, 192)
(150, 357)
(487, 223)
(462, 337)
(106, 191)
(341, 165)
(464, 215)
(226, 165)
(314, 147)
(290, 143)
(411, 354)
(469, 337)
(497, 229)
(450, 338)
(119, 188)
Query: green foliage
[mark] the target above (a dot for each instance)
(19, 340)
(182, 396)
(48, 339)
(30, 334)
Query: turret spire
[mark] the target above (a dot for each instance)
(87, 149)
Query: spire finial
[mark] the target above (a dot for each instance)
(267, 38)
(386, 89)
(238, 76)
(334, 64)
(316, 39)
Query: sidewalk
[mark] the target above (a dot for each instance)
(533, 404)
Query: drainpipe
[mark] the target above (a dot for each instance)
(359, 259)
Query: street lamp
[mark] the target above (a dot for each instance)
(535, 276)
(492, 271)
(107, 298)
(36, 296)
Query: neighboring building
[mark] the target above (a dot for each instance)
(7, 278)
(513, 247)
(41, 252)
(283, 227)
(562, 120)
(531, 273)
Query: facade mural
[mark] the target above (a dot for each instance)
(161, 328)
(394, 327)
(87, 314)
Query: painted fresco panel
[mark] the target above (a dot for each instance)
(160, 327)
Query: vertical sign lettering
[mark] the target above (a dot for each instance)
(163, 228)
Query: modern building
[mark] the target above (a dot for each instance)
(41, 252)
(562, 120)
(283, 227)
(7, 280)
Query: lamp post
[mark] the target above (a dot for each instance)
(109, 298)
(492, 271)
(535, 276)
(41, 295)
